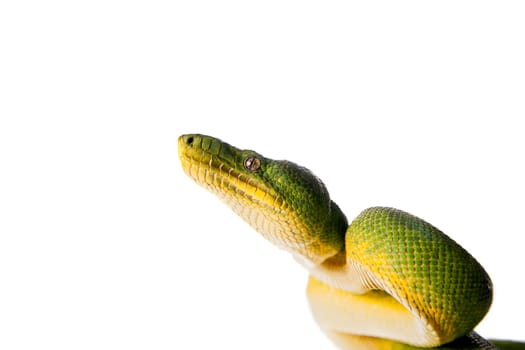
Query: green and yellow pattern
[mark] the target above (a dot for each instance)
(387, 280)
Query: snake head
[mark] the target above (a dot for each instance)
(283, 201)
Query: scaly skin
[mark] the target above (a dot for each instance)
(387, 280)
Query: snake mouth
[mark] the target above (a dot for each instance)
(217, 166)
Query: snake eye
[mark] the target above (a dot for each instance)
(252, 163)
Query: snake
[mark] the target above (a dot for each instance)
(386, 280)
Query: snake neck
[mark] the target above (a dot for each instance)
(341, 273)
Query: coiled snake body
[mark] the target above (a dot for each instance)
(387, 280)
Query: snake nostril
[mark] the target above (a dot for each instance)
(189, 141)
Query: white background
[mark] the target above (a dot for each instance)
(105, 244)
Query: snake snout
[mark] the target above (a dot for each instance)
(186, 140)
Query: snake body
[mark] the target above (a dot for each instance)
(387, 280)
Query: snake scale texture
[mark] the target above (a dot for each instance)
(387, 280)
